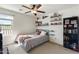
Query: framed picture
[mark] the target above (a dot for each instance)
(39, 23)
(44, 24)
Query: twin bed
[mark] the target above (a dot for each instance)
(28, 42)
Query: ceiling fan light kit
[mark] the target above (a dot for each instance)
(33, 11)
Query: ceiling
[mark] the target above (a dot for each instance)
(48, 8)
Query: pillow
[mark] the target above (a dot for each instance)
(43, 33)
(38, 32)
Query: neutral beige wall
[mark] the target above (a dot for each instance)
(74, 11)
(23, 23)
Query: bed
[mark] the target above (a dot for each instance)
(31, 41)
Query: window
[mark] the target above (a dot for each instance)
(6, 24)
(6, 19)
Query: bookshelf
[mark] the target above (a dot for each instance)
(71, 33)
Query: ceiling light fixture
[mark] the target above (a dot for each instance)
(33, 11)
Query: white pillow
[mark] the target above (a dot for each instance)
(43, 33)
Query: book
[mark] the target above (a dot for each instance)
(74, 22)
(67, 21)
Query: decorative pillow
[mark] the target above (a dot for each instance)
(43, 33)
(38, 32)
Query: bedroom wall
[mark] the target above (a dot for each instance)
(58, 30)
(58, 38)
(74, 11)
(21, 23)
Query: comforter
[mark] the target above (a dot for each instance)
(30, 43)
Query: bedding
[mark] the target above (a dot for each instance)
(33, 41)
(23, 38)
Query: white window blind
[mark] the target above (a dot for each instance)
(6, 24)
(6, 19)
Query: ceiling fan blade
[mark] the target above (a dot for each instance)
(33, 6)
(27, 12)
(41, 11)
(38, 6)
(26, 7)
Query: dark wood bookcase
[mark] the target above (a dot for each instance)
(71, 33)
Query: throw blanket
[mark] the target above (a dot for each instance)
(21, 39)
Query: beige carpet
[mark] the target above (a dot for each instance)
(46, 48)
(51, 48)
(16, 49)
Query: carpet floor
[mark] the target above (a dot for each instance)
(51, 48)
(46, 48)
